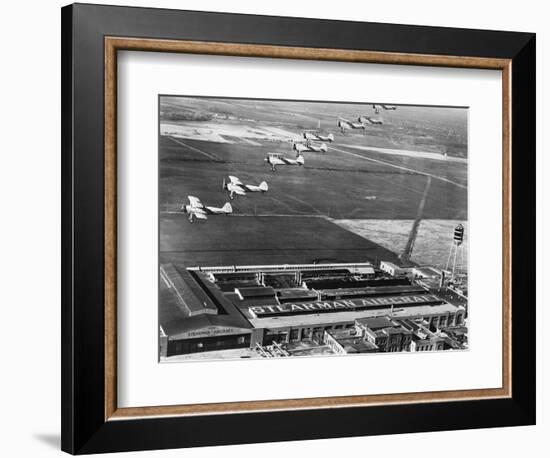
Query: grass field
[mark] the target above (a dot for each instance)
(228, 240)
(293, 221)
(432, 243)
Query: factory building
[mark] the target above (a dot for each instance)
(352, 308)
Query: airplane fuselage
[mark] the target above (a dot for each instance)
(318, 137)
(279, 160)
(369, 120)
(344, 125)
(201, 211)
(241, 189)
(300, 147)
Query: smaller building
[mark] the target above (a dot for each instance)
(394, 270)
(424, 339)
(347, 341)
(388, 335)
(430, 343)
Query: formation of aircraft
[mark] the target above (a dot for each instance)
(235, 186)
(370, 120)
(196, 209)
(275, 159)
(317, 148)
(312, 135)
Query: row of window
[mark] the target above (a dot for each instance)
(442, 320)
(297, 334)
(427, 347)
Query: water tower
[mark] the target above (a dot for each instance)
(456, 251)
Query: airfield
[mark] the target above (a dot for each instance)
(340, 206)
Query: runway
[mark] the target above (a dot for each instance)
(208, 155)
(297, 218)
(399, 167)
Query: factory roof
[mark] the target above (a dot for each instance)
(232, 276)
(319, 319)
(229, 286)
(373, 290)
(203, 325)
(192, 299)
(255, 291)
(176, 322)
(377, 322)
(295, 293)
(357, 345)
(354, 282)
(327, 273)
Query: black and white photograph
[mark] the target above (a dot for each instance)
(310, 228)
(254, 229)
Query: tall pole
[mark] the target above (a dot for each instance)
(454, 262)
(450, 255)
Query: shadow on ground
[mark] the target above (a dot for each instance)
(50, 439)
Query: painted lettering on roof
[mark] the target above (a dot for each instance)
(343, 305)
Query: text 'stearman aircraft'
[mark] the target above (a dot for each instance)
(235, 186)
(344, 125)
(301, 147)
(198, 210)
(317, 137)
(276, 159)
(370, 120)
(376, 107)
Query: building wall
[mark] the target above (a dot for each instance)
(435, 344)
(298, 333)
(184, 346)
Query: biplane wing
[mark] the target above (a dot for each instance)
(195, 202)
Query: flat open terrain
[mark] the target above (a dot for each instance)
(432, 243)
(228, 240)
(204, 141)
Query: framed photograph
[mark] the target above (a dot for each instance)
(282, 228)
